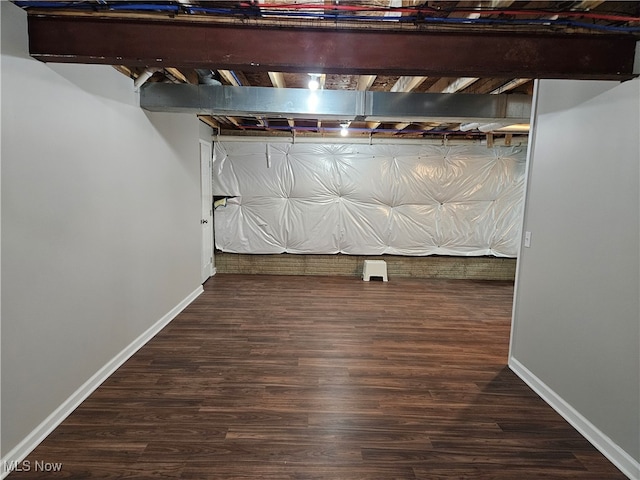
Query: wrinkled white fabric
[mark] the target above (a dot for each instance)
(368, 199)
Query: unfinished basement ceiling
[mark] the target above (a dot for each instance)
(400, 47)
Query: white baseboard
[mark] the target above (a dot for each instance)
(31, 441)
(616, 455)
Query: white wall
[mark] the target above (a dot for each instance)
(576, 330)
(100, 225)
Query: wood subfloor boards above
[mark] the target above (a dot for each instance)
(316, 378)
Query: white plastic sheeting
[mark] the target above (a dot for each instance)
(398, 199)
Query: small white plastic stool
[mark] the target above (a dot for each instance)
(374, 268)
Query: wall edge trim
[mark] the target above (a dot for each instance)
(605, 445)
(38, 434)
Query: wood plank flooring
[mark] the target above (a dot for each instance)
(276, 377)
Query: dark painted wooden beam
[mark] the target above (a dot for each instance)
(182, 44)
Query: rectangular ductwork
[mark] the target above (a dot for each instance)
(341, 105)
(446, 107)
(253, 101)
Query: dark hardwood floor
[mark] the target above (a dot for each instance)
(332, 378)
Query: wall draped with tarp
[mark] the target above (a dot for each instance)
(361, 199)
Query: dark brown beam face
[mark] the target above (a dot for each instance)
(165, 43)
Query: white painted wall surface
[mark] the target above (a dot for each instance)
(576, 329)
(100, 224)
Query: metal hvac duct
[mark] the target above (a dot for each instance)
(340, 105)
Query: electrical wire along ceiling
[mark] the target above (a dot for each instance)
(404, 48)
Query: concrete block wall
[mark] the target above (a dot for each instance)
(476, 268)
